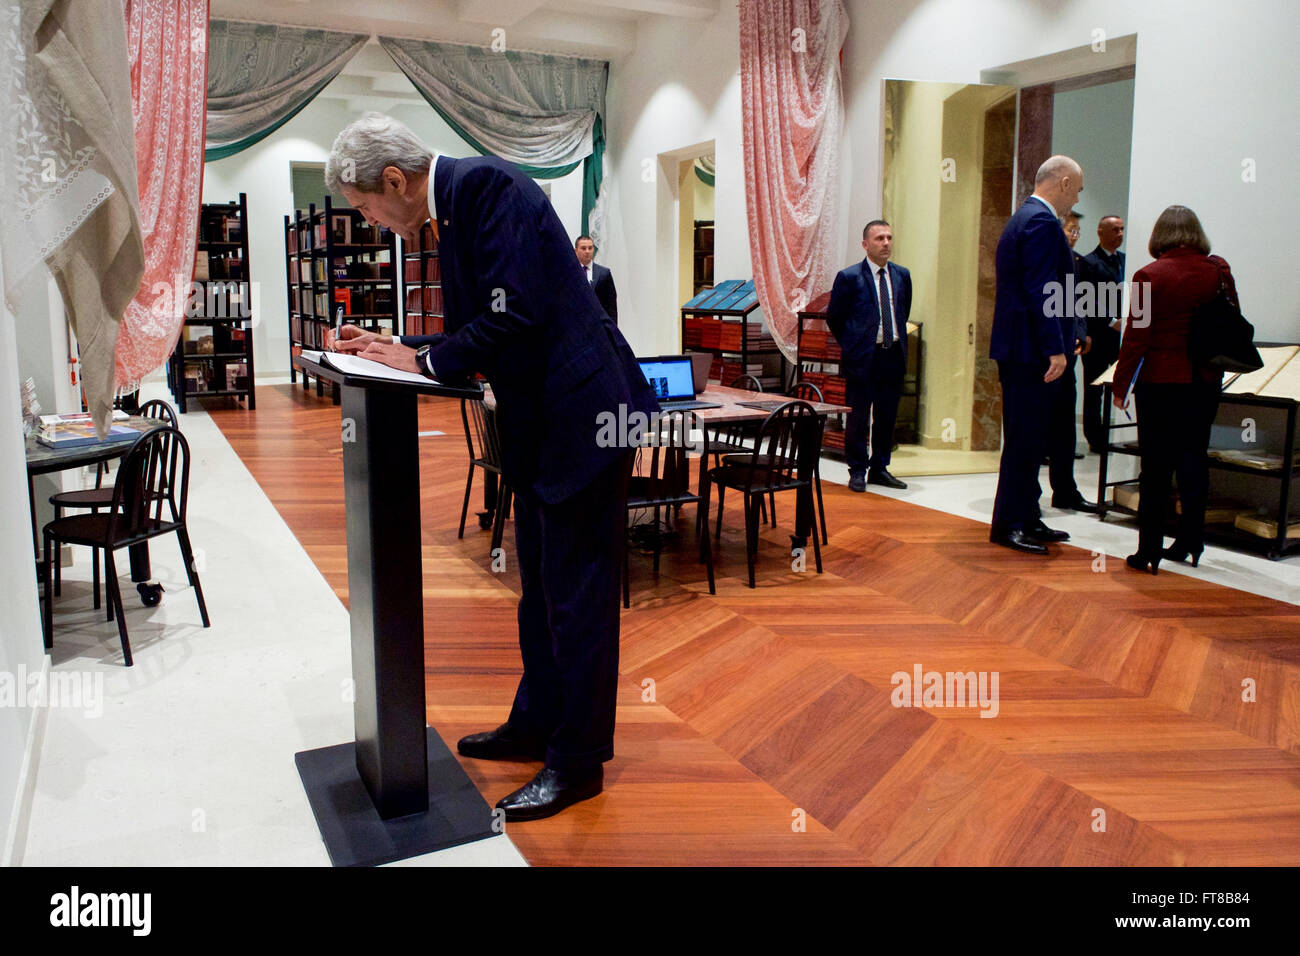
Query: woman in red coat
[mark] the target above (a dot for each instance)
(1176, 403)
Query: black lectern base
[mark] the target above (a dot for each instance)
(350, 825)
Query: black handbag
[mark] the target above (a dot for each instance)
(1218, 336)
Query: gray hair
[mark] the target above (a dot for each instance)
(366, 146)
(1057, 167)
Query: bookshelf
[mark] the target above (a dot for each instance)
(334, 258)
(214, 353)
(819, 363)
(1252, 458)
(703, 255)
(422, 312)
(718, 321)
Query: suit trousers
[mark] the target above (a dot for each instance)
(1061, 434)
(873, 404)
(1026, 412)
(1104, 351)
(570, 559)
(1173, 434)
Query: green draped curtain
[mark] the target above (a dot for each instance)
(261, 75)
(544, 113)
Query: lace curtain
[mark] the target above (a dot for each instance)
(167, 50)
(68, 173)
(544, 113)
(792, 114)
(260, 75)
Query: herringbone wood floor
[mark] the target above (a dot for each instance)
(1122, 736)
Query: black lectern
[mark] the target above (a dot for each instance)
(397, 791)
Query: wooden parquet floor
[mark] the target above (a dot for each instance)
(1140, 720)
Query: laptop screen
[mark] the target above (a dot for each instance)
(669, 377)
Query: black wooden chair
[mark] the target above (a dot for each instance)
(664, 484)
(484, 444)
(100, 496)
(156, 469)
(784, 458)
(809, 392)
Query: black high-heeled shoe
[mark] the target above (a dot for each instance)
(1139, 562)
(1179, 553)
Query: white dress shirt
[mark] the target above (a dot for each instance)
(875, 285)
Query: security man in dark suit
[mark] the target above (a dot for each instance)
(520, 312)
(600, 278)
(868, 311)
(1105, 267)
(1031, 337)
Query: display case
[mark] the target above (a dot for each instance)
(721, 321)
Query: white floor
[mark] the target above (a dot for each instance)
(191, 760)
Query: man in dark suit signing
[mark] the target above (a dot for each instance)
(1105, 266)
(1033, 332)
(519, 311)
(868, 311)
(602, 282)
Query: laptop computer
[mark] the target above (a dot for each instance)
(673, 382)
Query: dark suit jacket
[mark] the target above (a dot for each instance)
(603, 284)
(854, 313)
(1033, 253)
(1101, 269)
(523, 314)
(1179, 281)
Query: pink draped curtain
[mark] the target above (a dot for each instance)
(792, 113)
(167, 43)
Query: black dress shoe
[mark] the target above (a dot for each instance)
(1017, 540)
(1078, 504)
(881, 476)
(1041, 532)
(857, 482)
(504, 743)
(550, 792)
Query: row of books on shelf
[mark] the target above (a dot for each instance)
(355, 301)
(726, 334)
(342, 229)
(819, 344)
(343, 268)
(832, 386)
(311, 335)
(208, 266)
(1241, 515)
(432, 270)
(427, 299)
(417, 324)
(221, 227)
(216, 377)
(206, 340)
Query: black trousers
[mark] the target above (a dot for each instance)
(570, 560)
(873, 404)
(1026, 412)
(1173, 433)
(1104, 351)
(1061, 435)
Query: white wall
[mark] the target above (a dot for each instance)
(1095, 126)
(262, 171)
(680, 88)
(21, 646)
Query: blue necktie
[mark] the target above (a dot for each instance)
(886, 311)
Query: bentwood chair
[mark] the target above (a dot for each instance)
(809, 392)
(100, 496)
(663, 484)
(154, 470)
(484, 444)
(784, 458)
